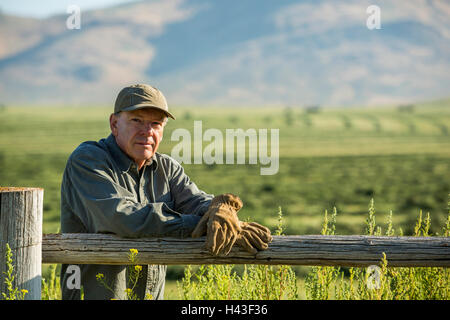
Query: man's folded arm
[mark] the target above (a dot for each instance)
(189, 199)
(106, 207)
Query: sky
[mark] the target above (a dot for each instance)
(46, 8)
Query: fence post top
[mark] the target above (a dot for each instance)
(17, 189)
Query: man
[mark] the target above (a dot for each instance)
(121, 185)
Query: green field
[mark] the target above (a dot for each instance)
(328, 158)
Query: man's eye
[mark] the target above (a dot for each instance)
(156, 124)
(136, 120)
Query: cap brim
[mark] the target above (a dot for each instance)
(143, 105)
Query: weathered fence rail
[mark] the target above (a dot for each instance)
(21, 228)
(289, 250)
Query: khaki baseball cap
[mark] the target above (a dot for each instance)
(140, 96)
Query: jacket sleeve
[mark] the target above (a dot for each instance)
(189, 199)
(104, 206)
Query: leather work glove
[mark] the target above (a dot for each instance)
(220, 223)
(253, 237)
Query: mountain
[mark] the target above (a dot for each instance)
(248, 53)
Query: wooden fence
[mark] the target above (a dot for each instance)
(21, 229)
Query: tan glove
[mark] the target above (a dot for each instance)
(220, 223)
(253, 237)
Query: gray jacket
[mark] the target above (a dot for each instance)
(102, 191)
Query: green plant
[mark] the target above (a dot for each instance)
(379, 282)
(134, 273)
(12, 293)
(395, 283)
(51, 288)
(216, 282)
(319, 280)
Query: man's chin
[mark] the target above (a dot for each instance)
(142, 153)
(146, 156)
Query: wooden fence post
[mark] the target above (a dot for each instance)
(21, 229)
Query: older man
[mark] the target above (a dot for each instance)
(121, 185)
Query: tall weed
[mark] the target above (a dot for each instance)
(257, 282)
(396, 283)
(325, 282)
(12, 292)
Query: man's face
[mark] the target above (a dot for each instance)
(138, 132)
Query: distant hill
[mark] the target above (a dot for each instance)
(249, 52)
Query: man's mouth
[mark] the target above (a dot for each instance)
(146, 144)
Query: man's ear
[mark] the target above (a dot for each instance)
(113, 118)
(164, 124)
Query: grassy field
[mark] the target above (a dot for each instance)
(337, 157)
(327, 158)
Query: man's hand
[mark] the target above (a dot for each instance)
(223, 228)
(220, 223)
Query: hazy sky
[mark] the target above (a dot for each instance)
(45, 8)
